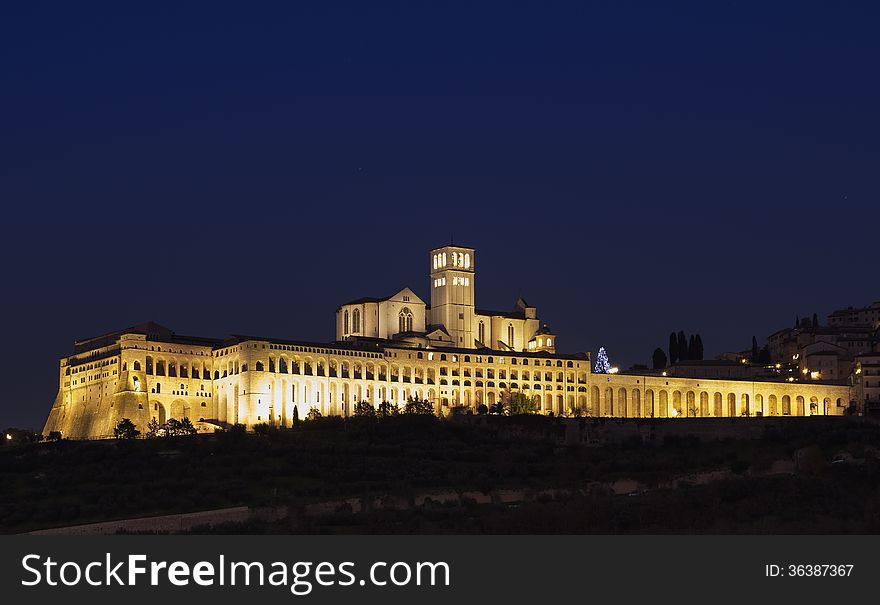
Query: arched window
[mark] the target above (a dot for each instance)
(467, 261)
(482, 332)
(345, 322)
(356, 321)
(405, 320)
(510, 335)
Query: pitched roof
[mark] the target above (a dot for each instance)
(491, 313)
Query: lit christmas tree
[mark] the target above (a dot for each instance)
(602, 365)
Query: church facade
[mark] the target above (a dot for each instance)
(386, 349)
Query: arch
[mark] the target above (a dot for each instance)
(180, 409)
(786, 405)
(159, 413)
(560, 405)
(258, 365)
(718, 402)
(814, 405)
(608, 407)
(581, 404)
(650, 412)
(731, 405)
(745, 409)
(704, 403)
(771, 405)
(636, 410)
(676, 404)
(663, 406)
(136, 365)
(799, 406)
(691, 404)
(826, 406)
(621, 403)
(594, 409)
(759, 405)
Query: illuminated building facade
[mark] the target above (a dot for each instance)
(387, 349)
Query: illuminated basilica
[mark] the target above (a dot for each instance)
(387, 349)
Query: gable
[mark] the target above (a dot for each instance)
(407, 296)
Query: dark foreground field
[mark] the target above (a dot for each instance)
(486, 475)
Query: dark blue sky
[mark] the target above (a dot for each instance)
(630, 168)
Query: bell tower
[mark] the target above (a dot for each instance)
(452, 292)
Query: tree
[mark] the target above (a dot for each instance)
(153, 428)
(364, 410)
(314, 414)
(764, 355)
(416, 406)
(482, 409)
(797, 321)
(698, 347)
(520, 403)
(125, 429)
(692, 351)
(294, 420)
(602, 364)
(172, 427)
(673, 348)
(659, 359)
(682, 346)
(498, 408)
(387, 409)
(815, 321)
(186, 427)
(754, 350)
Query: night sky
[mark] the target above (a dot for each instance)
(629, 168)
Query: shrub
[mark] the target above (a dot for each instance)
(125, 429)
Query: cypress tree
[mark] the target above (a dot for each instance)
(673, 348)
(698, 346)
(682, 346)
(754, 350)
(692, 348)
(815, 321)
(659, 359)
